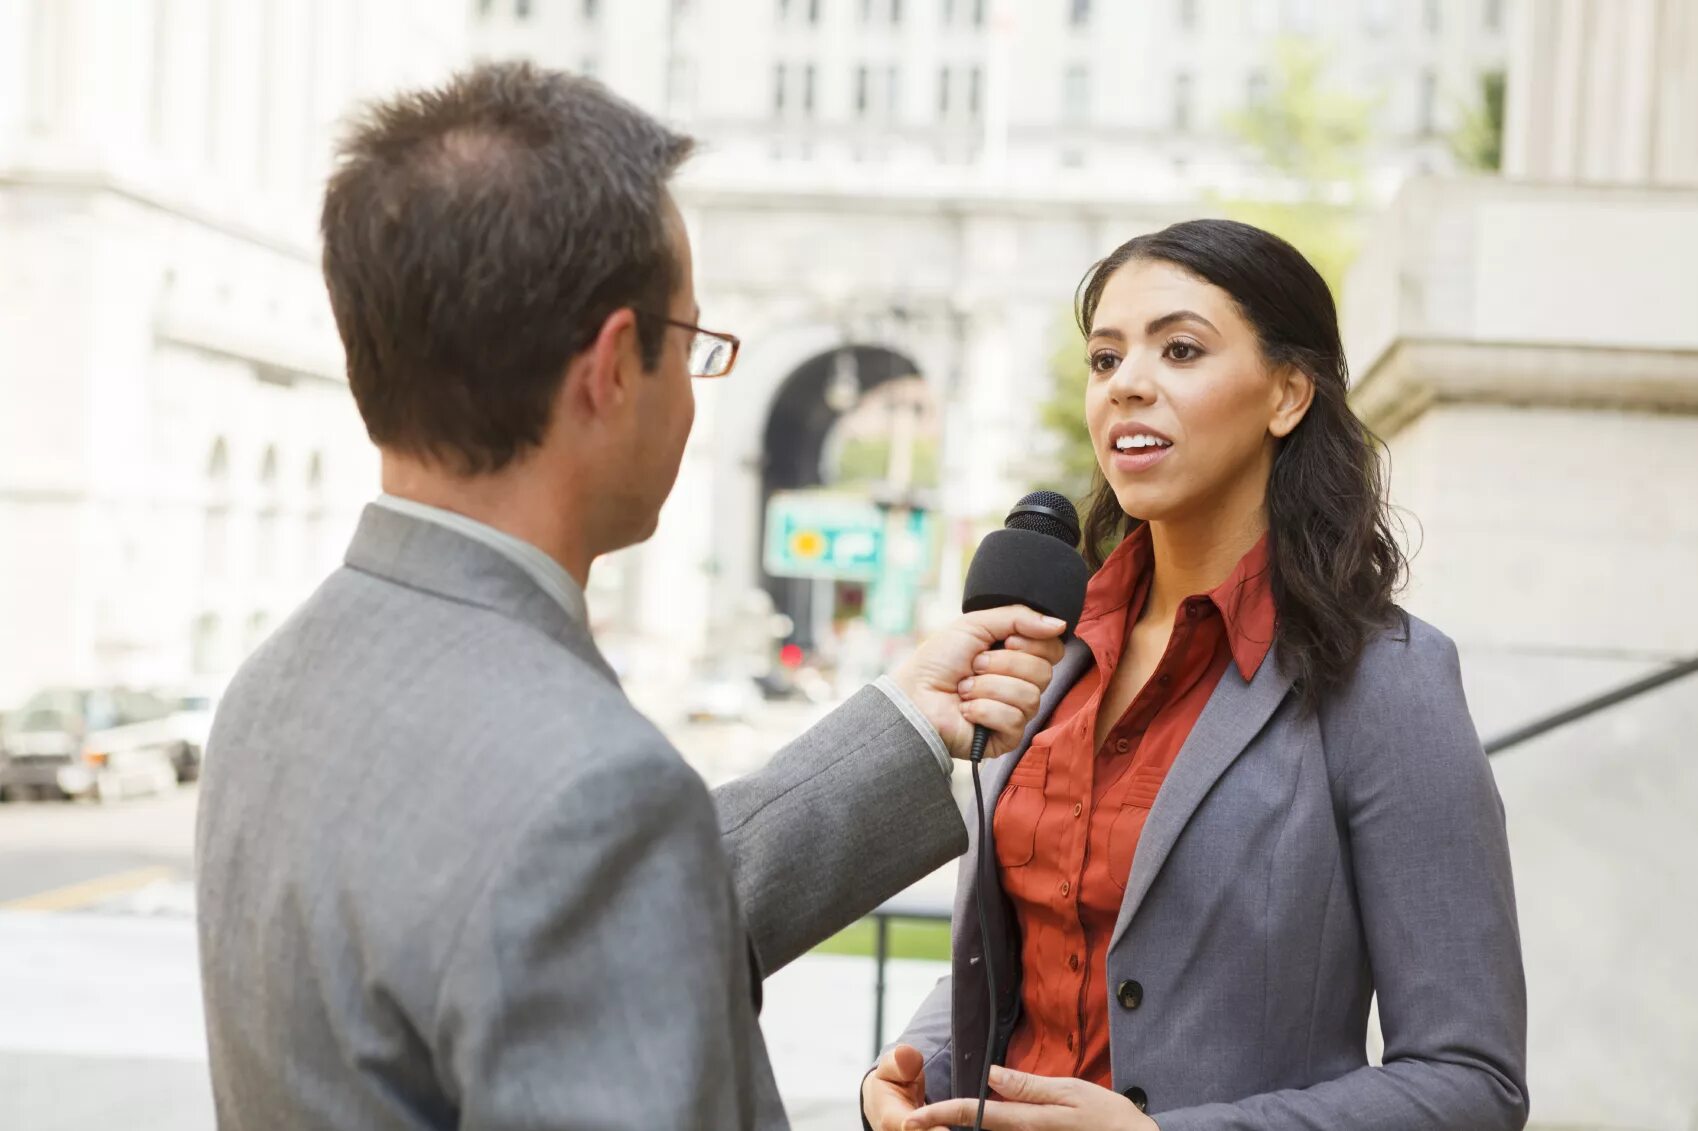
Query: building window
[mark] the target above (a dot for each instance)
(1076, 95)
(808, 80)
(978, 13)
(975, 87)
(522, 9)
(485, 7)
(863, 80)
(1182, 102)
(1188, 14)
(943, 92)
(778, 84)
(866, 11)
(814, 12)
(891, 92)
(1256, 89)
(1494, 15)
(948, 12)
(895, 13)
(1432, 16)
(592, 9)
(1081, 13)
(1426, 103)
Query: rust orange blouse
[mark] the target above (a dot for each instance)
(1068, 823)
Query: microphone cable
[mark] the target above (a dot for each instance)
(981, 738)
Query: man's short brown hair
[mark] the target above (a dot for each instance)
(476, 236)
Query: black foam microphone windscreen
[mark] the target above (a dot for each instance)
(1033, 560)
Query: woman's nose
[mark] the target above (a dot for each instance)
(1133, 381)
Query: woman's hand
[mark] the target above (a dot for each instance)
(1037, 1103)
(893, 1090)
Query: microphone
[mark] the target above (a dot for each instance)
(1033, 561)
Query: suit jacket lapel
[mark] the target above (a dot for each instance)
(1076, 660)
(1235, 714)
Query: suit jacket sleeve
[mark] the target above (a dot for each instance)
(840, 820)
(1433, 884)
(601, 979)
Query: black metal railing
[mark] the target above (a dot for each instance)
(1592, 706)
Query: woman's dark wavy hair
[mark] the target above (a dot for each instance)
(1334, 563)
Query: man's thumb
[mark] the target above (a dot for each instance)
(902, 1064)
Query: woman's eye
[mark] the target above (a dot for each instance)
(1104, 363)
(1183, 351)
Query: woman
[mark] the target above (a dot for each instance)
(1254, 798)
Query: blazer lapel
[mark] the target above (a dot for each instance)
(1076, 660)
(1235, 714)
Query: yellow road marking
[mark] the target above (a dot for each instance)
(73, 896)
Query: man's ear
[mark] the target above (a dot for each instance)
(1296, 392)
(603, 374)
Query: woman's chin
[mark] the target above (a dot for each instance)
(1142, 506)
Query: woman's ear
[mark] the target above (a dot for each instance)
(1295, 392)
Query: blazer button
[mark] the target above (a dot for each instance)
(1138, 1098)
(1131, 995)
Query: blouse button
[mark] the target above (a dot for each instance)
(1078, 808)
(1073, 962)
(1123, 745)
(1066, 887)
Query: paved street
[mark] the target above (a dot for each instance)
(101, 1023)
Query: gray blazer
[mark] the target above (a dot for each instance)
(1293, 866)
(449, 877)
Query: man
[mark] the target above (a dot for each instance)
(448, 876)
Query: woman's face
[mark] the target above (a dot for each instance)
(1183, 410)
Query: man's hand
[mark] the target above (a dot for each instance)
(1038, 1103)
(893, 1090)
(957, 682)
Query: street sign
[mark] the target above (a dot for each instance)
(835, 537)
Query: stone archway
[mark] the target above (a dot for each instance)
(809, 403)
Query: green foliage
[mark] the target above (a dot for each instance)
(909, 938)
(1477, 140)
(866, 460)
(1312, 137)
(1064, 415)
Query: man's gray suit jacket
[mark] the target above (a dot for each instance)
(450, 877)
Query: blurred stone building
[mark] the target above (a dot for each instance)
(1529, 348)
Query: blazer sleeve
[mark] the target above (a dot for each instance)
(601, 979)
(840, 820)
(1437, 902)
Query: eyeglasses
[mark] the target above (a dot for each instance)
(712, 354)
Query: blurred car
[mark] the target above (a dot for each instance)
(104, 743)
(192, 707)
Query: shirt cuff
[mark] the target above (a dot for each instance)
(920, 723)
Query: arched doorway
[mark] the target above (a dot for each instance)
(851, 417)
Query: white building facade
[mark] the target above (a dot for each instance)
(180, 460)
(925, 182)
(1528, 346)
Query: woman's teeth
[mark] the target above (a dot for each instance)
(1130, 443)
